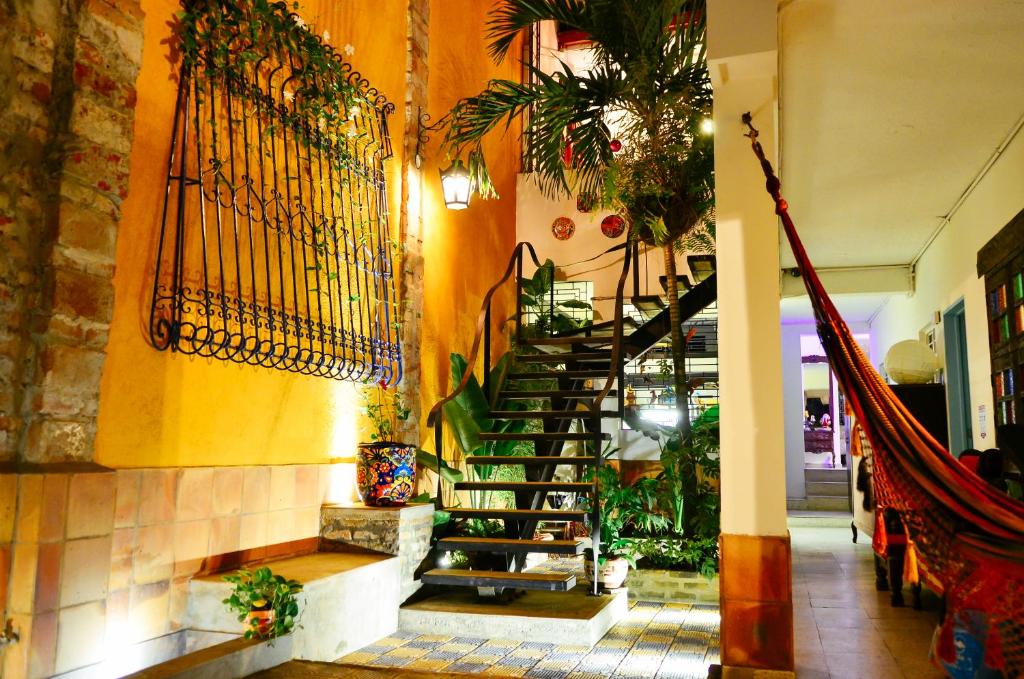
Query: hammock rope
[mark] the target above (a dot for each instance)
(969, 535)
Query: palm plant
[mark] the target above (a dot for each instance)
(649, 81)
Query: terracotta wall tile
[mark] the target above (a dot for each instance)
(43, 652)
(86, 571)
(154, 555)
(55, 499)
(23, 577)
(30, 502)
(758, 567)
(191, 546)
(280, 526)
(178, 603)
(227, 491)
(224, 534)
(195, 494)
(14, 659)
(282, 487)
(80, 635)
(254, 531)
(8, 505)
(157, 496)
(118, 622)
(757, 634)
(148, 613)
(307, 523)
(307, 486)
(255, 489)
(122, 555)
(126, 508)
(48, 570)
(91, 500)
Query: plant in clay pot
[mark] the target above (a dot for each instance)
(385, 468)
(265, 602)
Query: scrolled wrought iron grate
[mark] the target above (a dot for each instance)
(275, 248)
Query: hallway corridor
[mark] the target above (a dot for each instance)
(843, 628)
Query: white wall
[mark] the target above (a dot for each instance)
(947, 272)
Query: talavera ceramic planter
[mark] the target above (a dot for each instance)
(386, 473)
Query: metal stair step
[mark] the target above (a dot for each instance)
(581, 357)
(556, 341)
(543, 436)
(552, 582)
(518, 514)
(545, 393)
(504, 546)
(532, 461)
(555, 374)
(532, 486)
(544, 414)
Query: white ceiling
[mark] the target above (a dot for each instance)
(859, 308)
(888, 112)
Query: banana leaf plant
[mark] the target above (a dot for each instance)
(550, 317)
(468, 416)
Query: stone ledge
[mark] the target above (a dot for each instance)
(227, 660)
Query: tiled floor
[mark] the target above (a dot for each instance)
(670, 641)
(843, 627)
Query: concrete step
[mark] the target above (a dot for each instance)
(825, 474)
(830, 488)
(819, 503)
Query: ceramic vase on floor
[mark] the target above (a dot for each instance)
(386, 473)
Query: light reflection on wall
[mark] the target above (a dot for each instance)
(341, 488)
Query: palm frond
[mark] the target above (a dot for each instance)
(515, 16)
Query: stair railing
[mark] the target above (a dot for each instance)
(482, 335)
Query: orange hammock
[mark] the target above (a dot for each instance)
(968, 534)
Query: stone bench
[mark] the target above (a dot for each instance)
(349, 599)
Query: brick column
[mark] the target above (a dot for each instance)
(66, 129)
(411, 220)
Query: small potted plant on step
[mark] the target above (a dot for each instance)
(265, 602)
(385, 468)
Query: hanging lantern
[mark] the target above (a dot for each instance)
(615, 145)
(456, 186)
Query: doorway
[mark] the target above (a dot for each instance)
(958, 390)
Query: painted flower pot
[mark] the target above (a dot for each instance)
(611, 574)
(385, 473)
(261, 621)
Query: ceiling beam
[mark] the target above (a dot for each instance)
(897, 278)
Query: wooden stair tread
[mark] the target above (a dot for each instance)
(559, 582)
(542, 414)
(543, 436)
(531, 460)
(518, 514)
(555, 374)
(471, 544)
(532, 486)
(546, 393)
(582, 357)
(554, 341)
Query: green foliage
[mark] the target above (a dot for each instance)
(261, 590)
(536, 299)
(673, 553)
(385, 408)
(438, 466)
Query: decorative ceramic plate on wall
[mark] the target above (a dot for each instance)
(563, 228)
(613, 226)
(585, 202)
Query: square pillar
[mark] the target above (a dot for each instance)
(756, 581)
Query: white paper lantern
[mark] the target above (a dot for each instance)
(911, 362)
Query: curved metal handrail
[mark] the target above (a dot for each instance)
(482, 321)
(616, 358)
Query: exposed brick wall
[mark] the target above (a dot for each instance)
(65, 133)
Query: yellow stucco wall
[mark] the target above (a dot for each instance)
(163, 409)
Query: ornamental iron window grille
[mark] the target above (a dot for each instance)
(275, 248)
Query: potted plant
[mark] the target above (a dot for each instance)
(265, 602)
(385, 468)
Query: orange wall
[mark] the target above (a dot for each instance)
(465, 251)
(163, 409)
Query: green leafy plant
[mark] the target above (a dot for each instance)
(649, 81)
(385, 408)
(535, 300)
(261, 590)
